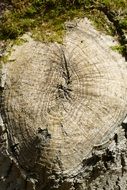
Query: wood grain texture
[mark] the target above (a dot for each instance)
(61, 100)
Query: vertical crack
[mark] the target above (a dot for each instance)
(123, 163)
(124, 126)
(65, 68)
(116, 138)
(64, 89)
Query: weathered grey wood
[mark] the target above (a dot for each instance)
(61, 112)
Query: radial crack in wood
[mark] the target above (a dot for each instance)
(59, 101)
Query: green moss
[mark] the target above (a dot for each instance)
(123, 23)
(19, 41)
(100, 21)
(4, 58)
(114, 4)
(13, 25)
(45, 19)
(118, 48)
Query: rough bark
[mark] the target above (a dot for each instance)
(61, 112)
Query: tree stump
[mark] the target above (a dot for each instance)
(62, 106)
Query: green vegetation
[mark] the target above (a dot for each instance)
(45, 18)
(118, 48)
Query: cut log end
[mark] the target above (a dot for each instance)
(61, 100)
